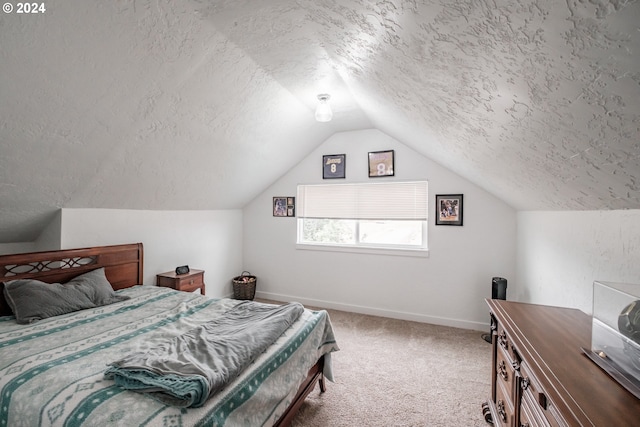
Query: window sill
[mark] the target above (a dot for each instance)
(421, 253)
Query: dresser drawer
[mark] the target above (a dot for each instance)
(504, 342)
(540, 407)
(505, 412)
(529, 415)
(505, 373)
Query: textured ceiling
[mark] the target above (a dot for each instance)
(202, 104)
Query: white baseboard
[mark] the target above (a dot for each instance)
(434, 320)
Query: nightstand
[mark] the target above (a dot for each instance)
(189, 282)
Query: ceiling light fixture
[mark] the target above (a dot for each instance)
(323, 112)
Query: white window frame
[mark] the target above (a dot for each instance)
(318, 203)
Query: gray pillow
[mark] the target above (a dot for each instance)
(97, 287)
(33, 300)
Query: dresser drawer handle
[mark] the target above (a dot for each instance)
(542, 400)
(503, 340)
(501, 411)
(524, 384)
(502, 367)
(494, 324)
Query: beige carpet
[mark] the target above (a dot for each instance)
(398, 373)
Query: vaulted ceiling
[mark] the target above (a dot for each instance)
(202, 104)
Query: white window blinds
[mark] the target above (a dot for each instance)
(372, 201)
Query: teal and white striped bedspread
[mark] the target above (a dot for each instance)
(52, 371)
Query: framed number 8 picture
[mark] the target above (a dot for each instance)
(381, 163)
(333, 166)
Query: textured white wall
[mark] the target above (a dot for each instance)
(50, 237)
(16, 248)
(448, 287)
(48, 240)
(203, 104)
(561, 254)
(204, 240)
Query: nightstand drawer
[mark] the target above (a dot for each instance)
(182, 282)
(189, 283)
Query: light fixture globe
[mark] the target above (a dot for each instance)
(323, 112)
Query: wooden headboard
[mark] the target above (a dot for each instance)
(122, 263)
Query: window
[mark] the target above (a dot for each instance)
(389, 215)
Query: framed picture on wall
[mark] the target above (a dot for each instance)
(333, 166)
(291, 206)
(449, 209)
(279, 206)
(381, 163)
(284, 206)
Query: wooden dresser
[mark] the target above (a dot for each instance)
(541, 377)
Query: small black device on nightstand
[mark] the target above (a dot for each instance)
(183, 269)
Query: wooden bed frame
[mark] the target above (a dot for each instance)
(123, 266)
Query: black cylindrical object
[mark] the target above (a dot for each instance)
(499, 288)
(498, 291)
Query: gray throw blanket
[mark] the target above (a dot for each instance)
(190, 368)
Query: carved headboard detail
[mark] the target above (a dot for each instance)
(123, 266)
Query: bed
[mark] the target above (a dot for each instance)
(52, 371)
